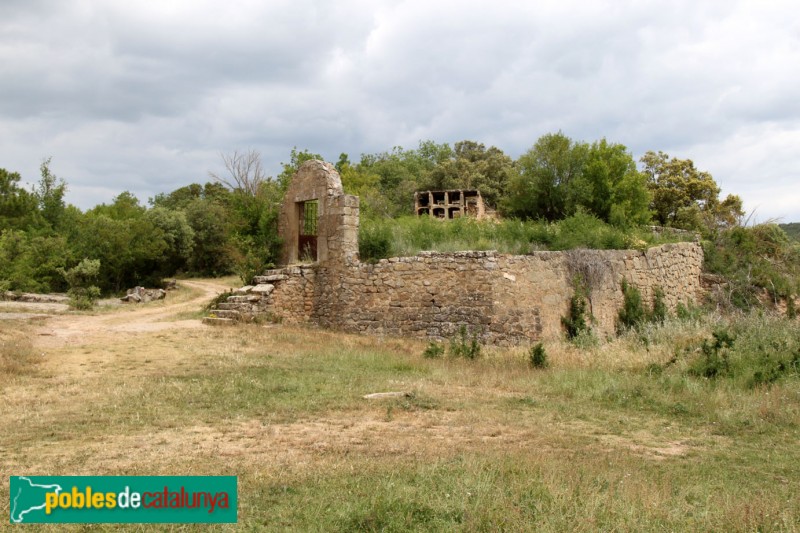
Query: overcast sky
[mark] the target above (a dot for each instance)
(143, 96)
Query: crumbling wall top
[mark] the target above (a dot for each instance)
(314, 180)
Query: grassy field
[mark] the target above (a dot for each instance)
(618, 436)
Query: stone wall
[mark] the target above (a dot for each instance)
(507, 299)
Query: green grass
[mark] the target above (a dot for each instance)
(409, 235)
(609, 437)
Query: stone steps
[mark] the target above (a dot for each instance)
(226, 313)
(213, 321)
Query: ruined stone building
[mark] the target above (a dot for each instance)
(449, 204)
(506, 299)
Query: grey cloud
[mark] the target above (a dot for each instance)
(144, 96)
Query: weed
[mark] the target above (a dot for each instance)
(218, 299)
(537, 356)
(791, 310)
(434, 350)
(464, 345)
(16, 353)
(714, 362)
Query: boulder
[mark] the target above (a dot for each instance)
(142, 295)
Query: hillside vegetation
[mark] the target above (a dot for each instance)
(560, 194)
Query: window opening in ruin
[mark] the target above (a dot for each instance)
(307, 245)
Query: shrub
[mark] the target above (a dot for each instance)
(575, 322)
(434, 350)
(632, 313)
(753, 260)
(688, 311)
(464, 345)
(659, 314)
(537, 357)
(80, 278)
(714, 362)
(374, 241)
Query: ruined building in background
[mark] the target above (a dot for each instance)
(449, 204)
(506, 299)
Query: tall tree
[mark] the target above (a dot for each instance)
(18, 207)
(610, 186)
(545, 174)
(50, 194)
(472, 166)
(686, 197)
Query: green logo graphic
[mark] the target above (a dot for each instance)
(122, 499)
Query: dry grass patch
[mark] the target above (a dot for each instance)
(595, 442)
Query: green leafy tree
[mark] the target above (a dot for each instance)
(49, 193)
(545, 175)
(472, 166)
(610, 187)
(131, 247)
(178, 236)
(30, 262)
(296, 158)
(686, 197)
(213, 252)
(403, 172)
(18, 207)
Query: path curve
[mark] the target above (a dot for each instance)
(64, 330)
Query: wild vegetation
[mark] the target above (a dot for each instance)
(228, 225)
(638, 433)
(684, 421)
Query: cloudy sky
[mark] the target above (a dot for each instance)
(143, 96)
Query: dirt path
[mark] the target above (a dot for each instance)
(63, 336)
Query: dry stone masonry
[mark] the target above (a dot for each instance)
(506, 299)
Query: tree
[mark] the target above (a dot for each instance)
(178, 236)
(545, 174)
(610, 186)
(472, 166)
(296, 158)
(244, 172)
(18, 207)
(686, 197)
(403, 172)
(50, 194)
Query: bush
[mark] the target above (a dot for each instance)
(434, 350)
(714, 362)
(374, 241)
(752, 351)
(464, 345)
(753, 260)
(575, 322)
(659, 314)
(80, 278)
(537, 357)
(632, 313)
